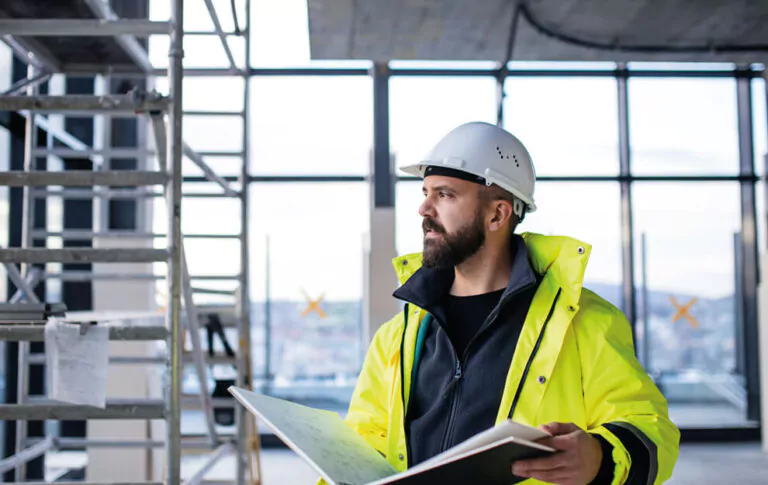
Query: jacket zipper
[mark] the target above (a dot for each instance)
(533, 354)
(453, 386)
(453, 389)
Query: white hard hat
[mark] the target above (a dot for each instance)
(487, 152)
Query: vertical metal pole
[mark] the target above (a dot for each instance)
(383, 178)
(174, 148)
(646, 307)
(244, 377)
(748, 303)
(738, 284)
(627, 229)
(105, 120)
(501, 77)
(27, 227)
(268, 315)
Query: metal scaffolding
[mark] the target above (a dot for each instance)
(164, 115)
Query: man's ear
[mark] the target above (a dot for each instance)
(502, 213)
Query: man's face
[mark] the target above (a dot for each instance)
(453, 223)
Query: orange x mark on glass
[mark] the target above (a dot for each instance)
(683, 311)
(314, 306)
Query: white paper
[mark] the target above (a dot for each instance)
(77, 364)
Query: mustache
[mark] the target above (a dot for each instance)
(431, 225)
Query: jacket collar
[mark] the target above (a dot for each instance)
(561, 258)
(427, 285)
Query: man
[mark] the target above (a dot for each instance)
(497, 326)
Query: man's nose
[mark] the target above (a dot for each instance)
(426, 208)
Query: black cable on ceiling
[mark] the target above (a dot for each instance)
(618, 47)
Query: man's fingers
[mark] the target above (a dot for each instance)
(560, 476)
(562, 442)
(556, 428)
(524, 467)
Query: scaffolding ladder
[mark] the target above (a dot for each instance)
(25, 39)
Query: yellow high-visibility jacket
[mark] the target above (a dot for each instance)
(574, 363)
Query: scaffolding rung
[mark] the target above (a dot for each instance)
(221, 153)
(83, 103)
(211, 291)
(212, 236)
(115, 409)
(74, 153)
(90, 194)
(90, 483)
(138, 360)
(36, 333)
(89, 276)
(119, 194)
(77, 234)
(82, 27)
(82, 178)
(83, 255)
(213, 113)
(216, 277)
(76, 443)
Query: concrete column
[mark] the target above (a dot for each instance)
(380, 280)
(762, 327)
(135, 381)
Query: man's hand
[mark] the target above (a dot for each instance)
(577, 462)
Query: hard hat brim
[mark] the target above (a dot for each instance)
(418, 169)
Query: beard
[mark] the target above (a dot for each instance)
(452, 249)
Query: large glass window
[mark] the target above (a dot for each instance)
(569, 125)
(589, 212)
(585, 211)
(423, 109)
(685, 235)
(311, 125)
(683, 126)
(306, 250)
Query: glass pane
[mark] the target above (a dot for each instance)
(197, 93)
(213, 133)
(424, 109)
(208, 216)
(196, 15)
(759, 124)
(311, 125)
(683, 126)
(199, 51)
(222, 166)
(683, 66)
(314, 286)
(687, 271)
(562, 65)
(424, 64)
(569, 126)
(6, 60)
(599, 226)
(561, 211)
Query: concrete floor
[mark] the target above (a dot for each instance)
(745, 464)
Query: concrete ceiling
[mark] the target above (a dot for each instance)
(547, 30)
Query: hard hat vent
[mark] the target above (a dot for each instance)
(502, 156)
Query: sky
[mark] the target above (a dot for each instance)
(323, 126)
